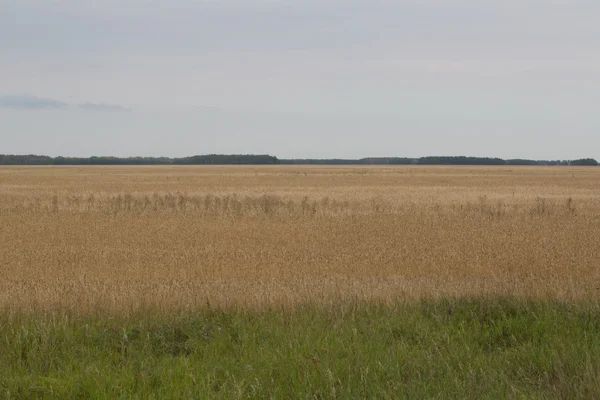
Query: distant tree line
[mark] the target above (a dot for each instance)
(220, 159)
(363, 161)
(461, 160)
(211, 159)
(249, 159)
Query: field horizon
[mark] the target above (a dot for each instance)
(178, 237)
(299, 282)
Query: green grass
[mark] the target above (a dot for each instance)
(437, 349)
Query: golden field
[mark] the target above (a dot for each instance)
(124, 238)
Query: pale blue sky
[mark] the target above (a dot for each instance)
(327, 78)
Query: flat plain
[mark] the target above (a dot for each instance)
(299, 282)
(118, 239)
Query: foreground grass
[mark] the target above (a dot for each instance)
(437, 349)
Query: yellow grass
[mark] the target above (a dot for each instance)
(116, 239)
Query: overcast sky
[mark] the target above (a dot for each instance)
(301, 78)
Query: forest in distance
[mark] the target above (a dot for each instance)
(263, 159)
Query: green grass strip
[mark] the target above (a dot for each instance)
(476, 349)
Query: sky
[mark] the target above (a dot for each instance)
(301, 78)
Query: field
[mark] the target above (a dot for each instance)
(287, 281)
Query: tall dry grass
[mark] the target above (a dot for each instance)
(118, 239)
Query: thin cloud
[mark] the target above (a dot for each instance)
(103, 107)
(30, 102)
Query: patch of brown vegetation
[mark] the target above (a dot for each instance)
(118, 239)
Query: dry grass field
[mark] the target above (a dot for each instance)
(121, 239)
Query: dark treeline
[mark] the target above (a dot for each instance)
(211, 159)
(441, 161)
(220, 159)
(248, 159)
(363, 161)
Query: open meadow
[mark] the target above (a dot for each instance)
(88, 239)
(299, 281)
